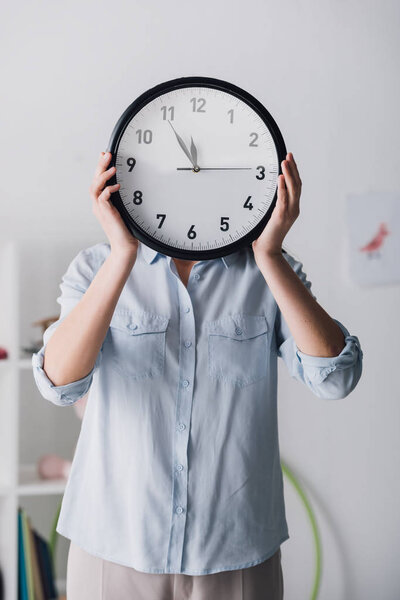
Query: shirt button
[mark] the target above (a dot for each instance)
(185, 382)
(179, 510)
(179, 467)
(196, 276)
(181, 426)
(188, 344)
(132, 326)
(238, 331)
(187, 309)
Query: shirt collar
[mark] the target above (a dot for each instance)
(150, 255)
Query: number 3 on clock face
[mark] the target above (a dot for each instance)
(197, 160)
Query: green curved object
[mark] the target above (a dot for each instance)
(316, 536)
(53, 536)
(310, 513)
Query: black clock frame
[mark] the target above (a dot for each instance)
(124, 121)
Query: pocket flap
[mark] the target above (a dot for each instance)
(137, 323)
(239, 326)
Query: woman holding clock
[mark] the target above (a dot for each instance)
(176, 487)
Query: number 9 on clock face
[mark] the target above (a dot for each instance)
(197, 160)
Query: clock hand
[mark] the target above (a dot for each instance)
(193, 151)
(183, 146)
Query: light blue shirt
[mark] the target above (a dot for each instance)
(177, 466)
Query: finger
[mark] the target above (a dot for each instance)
(294, 199)
(106, 194)
(103, 162)
(293, 166)
(282, 193)
(290, 181)
(100, 181)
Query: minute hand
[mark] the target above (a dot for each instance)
(183, 146)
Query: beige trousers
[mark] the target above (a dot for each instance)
(92, 578)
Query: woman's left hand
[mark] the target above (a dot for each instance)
(285, 213)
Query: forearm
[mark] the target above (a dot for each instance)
(72, 349)
(313, 330)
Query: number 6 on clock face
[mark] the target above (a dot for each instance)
(197, 160)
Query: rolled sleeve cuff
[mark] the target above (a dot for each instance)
(317, 368)
(62, 395)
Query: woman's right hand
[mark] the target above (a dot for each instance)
(120, 238)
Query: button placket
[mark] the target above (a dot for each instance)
(182, 429)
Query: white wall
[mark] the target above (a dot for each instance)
(328, 71)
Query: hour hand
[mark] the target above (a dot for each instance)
(193, 151)
(183, 145)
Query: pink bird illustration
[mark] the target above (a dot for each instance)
(373, 247)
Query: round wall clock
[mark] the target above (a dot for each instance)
(197, 160)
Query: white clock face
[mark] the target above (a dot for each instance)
(192, 209)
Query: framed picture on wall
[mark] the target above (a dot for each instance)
(373, 226)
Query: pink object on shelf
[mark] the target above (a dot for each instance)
(52, 466)
(3, 353)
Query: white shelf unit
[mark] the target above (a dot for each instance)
(30, 426)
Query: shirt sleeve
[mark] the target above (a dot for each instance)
(332, 377)
(73, 285)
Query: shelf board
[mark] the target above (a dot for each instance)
(21, 363)
(30, 483)
(25, 363)
(6, 362)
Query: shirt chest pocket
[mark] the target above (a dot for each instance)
(238, 348)
(135, 344)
